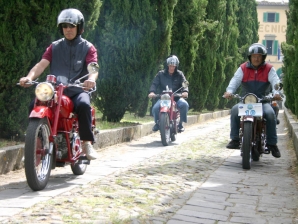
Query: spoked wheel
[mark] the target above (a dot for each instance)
(246, 145)
(38, 161)
(164, 126)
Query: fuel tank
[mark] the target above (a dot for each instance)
(66, 107)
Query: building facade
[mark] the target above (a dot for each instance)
(272, 30)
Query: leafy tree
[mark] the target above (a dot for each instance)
(205, 62)
(187, 32)
(133, 39)
(248, 25)
(218, 76)
(290, 60)
(232, 57)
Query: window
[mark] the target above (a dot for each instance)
(271, 46)
(271, 17)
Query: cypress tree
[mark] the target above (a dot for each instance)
(248, 25)
(218, 13)
(204, 66)
(289, 49)
(29, 27)
(133, 39)
(232, 57)
(187, 32)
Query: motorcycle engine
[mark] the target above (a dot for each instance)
(62, 146)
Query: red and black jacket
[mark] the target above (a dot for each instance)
(255, 80)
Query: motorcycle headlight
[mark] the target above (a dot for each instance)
(165, 97)
(250, 98)
(44, 91)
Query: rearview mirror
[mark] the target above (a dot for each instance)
(92, 67)
(278, 86)
(185, 84)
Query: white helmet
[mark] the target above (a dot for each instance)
(173, 60)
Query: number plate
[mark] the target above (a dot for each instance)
(253, 109)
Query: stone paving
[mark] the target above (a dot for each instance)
(195, 180)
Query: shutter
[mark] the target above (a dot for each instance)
(265, 16)
(277, 17)
(275, 47)
(264, 43)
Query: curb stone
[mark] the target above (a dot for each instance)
(11, 157)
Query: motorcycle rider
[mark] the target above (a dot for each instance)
(68, 58)
(173, 78)
(255, 76)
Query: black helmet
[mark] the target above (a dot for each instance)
(72, 16)
(173, 60)
(257, 48)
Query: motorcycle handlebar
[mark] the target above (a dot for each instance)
(269, 97)
(175, 95)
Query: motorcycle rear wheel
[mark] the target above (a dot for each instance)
(164, 127)
(246, 145)
(38, 161)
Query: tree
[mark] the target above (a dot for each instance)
(187, 32)
(231, 54)
(290, 60)
(218, 76)
(133, 39)
(248, 25)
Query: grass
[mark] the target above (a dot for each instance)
(129, 119)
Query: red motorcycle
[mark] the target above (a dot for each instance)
(52, 137)
(169, 114)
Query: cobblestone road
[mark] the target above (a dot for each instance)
(195, 180)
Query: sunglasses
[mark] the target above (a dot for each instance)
(67, 25)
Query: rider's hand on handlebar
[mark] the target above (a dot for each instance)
(24, 82)
(89, 84)
(227, 95)
(184, 95)
(151, 95)
(277, 97)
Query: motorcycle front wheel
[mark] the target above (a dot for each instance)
(246, 145)
(38, 161)
(164, 127)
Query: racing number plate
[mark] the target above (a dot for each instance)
(252, 109)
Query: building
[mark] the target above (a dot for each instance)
(272, 30)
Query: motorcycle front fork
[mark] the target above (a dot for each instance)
(259, 138)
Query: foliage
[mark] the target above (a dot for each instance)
(232, 57)
(218, 75)
(133, 38)
(187, 32)
(290, 60)
(248, 25)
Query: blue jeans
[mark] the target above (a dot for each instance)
(182, 106)
(268, 113)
